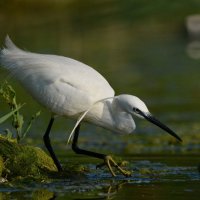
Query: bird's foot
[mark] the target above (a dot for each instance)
(109, 162)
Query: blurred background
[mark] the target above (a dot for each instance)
(142, 47)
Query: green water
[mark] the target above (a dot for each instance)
(141, 47)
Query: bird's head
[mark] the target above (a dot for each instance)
(136, 107)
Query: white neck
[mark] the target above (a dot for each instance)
(109, 114)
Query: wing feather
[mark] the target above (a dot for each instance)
(63, 85)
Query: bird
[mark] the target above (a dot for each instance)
(69, 88)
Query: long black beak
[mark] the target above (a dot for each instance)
(153, 120)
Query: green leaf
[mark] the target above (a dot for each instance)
(30, 124)
(9, 134)
(5, 117)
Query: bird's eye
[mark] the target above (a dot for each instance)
(136, 110)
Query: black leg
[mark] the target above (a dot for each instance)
(47, 143)
(108, 160)
(77, 150)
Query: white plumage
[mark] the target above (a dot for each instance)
(65, 86)
(70, 88)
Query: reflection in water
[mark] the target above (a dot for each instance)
(113, 189)
(143, 183)
(43, 194)
(193, 49)
(106, 191)
(193, 30)
(40, 194)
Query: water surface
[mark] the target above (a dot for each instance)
(142, 49)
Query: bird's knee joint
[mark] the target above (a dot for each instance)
(46, 138)
(76, 149)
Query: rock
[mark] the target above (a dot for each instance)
(17, 160)
(1, 165)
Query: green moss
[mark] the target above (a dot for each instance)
(42, 194)
(1, 165)
(76, 168)
(145, 171)
(24, 161)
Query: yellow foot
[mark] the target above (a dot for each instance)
(109, 162)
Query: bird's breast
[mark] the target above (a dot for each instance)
(102, 115)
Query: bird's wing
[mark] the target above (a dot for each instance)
(64, 85)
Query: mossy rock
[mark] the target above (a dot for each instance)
(17, 160)
(43, 194)
(1, 165)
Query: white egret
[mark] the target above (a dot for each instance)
(72, 89)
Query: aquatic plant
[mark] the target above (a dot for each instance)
(8, 94)
(8, 115)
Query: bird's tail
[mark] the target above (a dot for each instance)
(9, 53)
(10, 46)
(12, 58)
